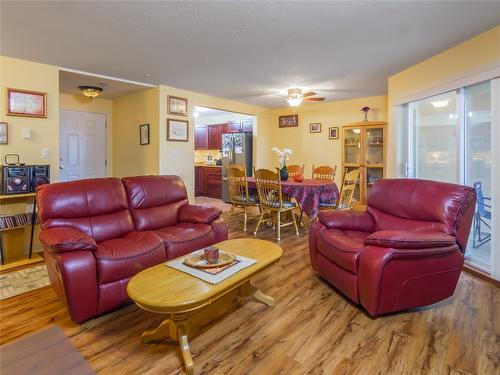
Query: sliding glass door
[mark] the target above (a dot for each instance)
(478, 163)
(448, 138)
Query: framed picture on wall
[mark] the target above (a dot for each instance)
(177, 106)
(144, 134)
(289, 121)
(4, 133)
(333, 133)
(177, 130)
(26, 103)
(315, 127)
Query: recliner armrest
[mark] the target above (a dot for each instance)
(347, 220)
(403, 239)
(61, 239)
(191, 213)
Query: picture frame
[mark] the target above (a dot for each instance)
(177, 106)
(315, 127)
(177, 130)
(4, 133)
(333, 132)
(289, 121)
(26, 103)
(144, 134)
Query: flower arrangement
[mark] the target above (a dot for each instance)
(365, 110)
(283, 155)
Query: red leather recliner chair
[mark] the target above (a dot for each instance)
(97, 235)
(406, 250)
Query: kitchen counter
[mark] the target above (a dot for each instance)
(208, 180)
(208, 165)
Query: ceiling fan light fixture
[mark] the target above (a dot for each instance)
(90, 91)
(294, 102)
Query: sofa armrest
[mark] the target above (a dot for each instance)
(61, 239)
(191, 213)
(347, 220)
(402, 239)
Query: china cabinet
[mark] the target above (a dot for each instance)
(363, 147)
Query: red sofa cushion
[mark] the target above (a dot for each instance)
(192, 213)
(96, 207)
(155, 200)
(120, 258)
(184, 238)
(60, 239)
(343, 247)
(402, 239)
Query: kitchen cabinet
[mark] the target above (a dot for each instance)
(208, 181)
(209, 137)
(201, 137)
(214, 137)
(239, 126)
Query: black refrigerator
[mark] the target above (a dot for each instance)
(236, 149)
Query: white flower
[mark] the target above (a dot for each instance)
(283, 155)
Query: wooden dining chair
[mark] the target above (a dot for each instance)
(295, 169)
(272, 202)
(344, 201)
(239, 193)
(324, 172)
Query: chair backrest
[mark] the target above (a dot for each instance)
(97, 207)
(481, 206)
(238, 166)
(324, 172)
(348, 186)
(154, 201)
(294, 170)
(413, 204)
(269, 188)
(238, 184)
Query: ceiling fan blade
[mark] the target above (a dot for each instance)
(314, 99)
(310, 93)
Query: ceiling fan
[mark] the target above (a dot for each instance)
(296, 97)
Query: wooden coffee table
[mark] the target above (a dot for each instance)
(190, 303)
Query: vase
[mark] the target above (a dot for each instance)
(366, 116)
(284, 173)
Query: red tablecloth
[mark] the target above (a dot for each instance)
(308, 193)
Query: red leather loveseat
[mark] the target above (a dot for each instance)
(405, 251)
(98, 233)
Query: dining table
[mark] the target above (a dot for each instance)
(308, 193)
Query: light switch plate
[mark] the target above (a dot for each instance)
(45, 153)
(27, 133)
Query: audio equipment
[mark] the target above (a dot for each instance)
(15, 179)
(39, 175)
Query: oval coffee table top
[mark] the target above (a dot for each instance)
(163, 289)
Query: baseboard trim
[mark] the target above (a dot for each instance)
(481, 274)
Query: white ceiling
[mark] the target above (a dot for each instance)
(246, 51)
(69, 82)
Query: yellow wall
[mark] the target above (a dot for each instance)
(178, 157)
(96, 105)
(27, 75)
(130, 158)
(316, 148)
(469, 58)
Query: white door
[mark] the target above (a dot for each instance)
(83, 145)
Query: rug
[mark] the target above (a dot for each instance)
(46, 352)
(22, 281)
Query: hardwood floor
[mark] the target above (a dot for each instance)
(312, 329)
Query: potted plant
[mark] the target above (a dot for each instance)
(283, 156)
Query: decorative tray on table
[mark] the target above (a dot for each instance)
(199, 261)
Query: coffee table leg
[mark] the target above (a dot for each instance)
(186, 352)
(166, 330)
(264, 298)
(170, 330)
(248, 289)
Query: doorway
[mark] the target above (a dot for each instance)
(82, 148)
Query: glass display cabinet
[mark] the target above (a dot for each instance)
(363, 147)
